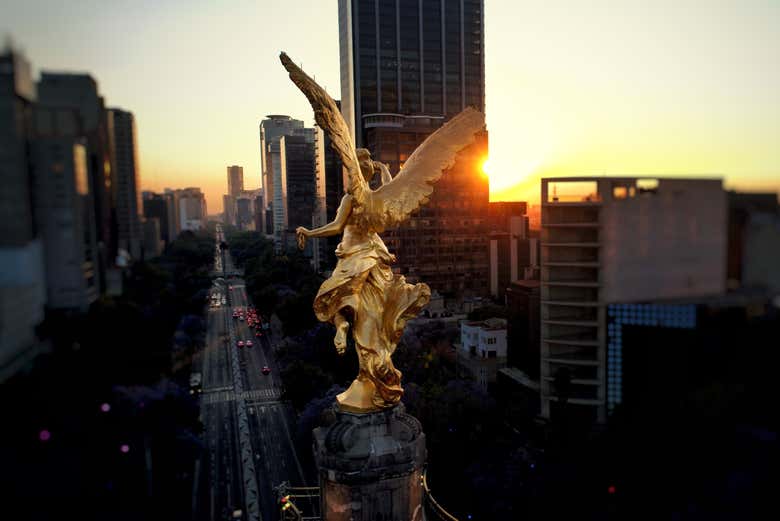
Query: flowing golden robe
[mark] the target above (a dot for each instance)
(379, 302)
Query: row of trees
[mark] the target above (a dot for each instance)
(104, 423)
(281, 284)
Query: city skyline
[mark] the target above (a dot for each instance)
(661, 90)
(602, 325)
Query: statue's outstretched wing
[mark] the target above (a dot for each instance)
(329, 118)
(414, 183)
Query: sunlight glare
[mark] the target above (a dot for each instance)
(486, 168)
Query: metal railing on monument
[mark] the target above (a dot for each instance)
(291, 501)
(433, 510)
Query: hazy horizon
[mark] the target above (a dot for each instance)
(572, 88)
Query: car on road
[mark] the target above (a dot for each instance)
(265, 370)
(248, 343)
(258, 334)
(240, 343)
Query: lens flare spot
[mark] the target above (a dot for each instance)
(44, 435)
(125, 448)
(105, 407)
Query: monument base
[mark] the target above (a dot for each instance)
(370, 466)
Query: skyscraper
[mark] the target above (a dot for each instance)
(409, 64)
(80, 92)
(18, 97)
(298, 177)
(22, 286)
(124, 151)
(63, 208)
(235, 179)
(271, 129)
(406, 67)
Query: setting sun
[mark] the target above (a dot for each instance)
(486, 167)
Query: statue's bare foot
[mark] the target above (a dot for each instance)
(340, 340)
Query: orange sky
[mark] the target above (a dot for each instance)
(679, 88)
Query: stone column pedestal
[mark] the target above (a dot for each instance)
(370, 466)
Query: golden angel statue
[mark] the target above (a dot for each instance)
(363, 292)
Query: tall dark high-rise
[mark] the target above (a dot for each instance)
(80, 92)
(124, 152)
(408, 64)
(298, 184)
(63, 208)
(406, 67)
(16, 101)
(22, 285)
(235, 184)
(330, 189)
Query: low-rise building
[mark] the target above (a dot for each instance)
(191, 209)
(482, 350)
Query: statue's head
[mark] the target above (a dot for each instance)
(366, 164)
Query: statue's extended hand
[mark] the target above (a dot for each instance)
(300, 235)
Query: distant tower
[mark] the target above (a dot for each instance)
(124, 151)
(295, 198)
(235, 179)
(271, 129)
